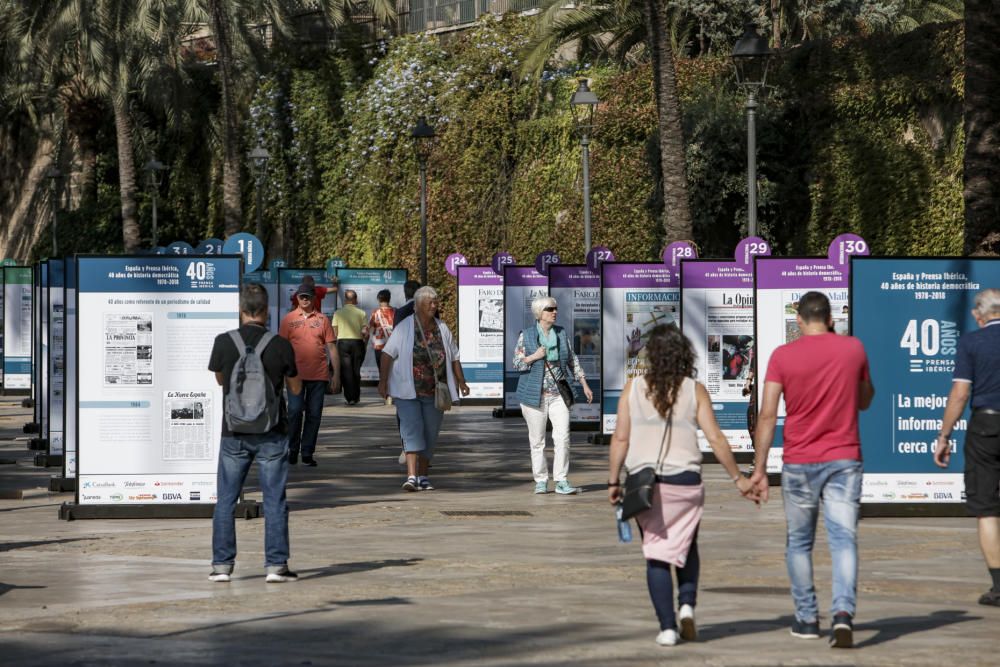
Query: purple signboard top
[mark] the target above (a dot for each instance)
(597, 256)
(500, 260)
(573, 275)
(844, 246)
(677, 251)
(453, 261)
(801, 273)
(715, 274)
(523, 276)
(545, 258)
(749, 248)
(637, 275)
(477, 275)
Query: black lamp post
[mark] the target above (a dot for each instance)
(258, 158)
(751, 59)
(583, 105)
(154, 173)
(423, 140)
(53, 174)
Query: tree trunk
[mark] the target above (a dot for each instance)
(23, 206)
(676, 210)
(982, 127)
(126, 175)
(232, 203)
(775, 24)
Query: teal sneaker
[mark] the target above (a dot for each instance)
(563, 487)
(541, 487)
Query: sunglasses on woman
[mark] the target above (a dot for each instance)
(550, 309)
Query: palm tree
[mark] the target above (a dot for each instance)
(982, 127)
(105, 50)
(239, 28)
(615, 29)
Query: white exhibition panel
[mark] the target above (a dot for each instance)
(56, 355)
(17, 327)
(368, 283)
(69, 424)
(577, 291)
(149, 411)
(480, 330)
(636, 297)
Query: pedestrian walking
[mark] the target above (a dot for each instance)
(977, 377)
(825, 381)
(659, 415)
(380, 325)
(262, 362)
(350, 328)
(422, 374)
(311, 336)
(544, 357)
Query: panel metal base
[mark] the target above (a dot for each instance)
(59, 484)
(742, 458)
(247, 509)
(480, 401)
(599, 438)
(44, 460)
(31, 427)
(872, 510)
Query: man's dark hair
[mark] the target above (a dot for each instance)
(253, 299)
(410, 288)
(384, 296)
(814, 307)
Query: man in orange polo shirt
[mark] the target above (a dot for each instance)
(312, 338)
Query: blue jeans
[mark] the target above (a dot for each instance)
(419, 423)
(309, 401)
(235, 456)
(838, 483)
(661, 588)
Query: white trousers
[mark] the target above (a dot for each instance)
(553, 409)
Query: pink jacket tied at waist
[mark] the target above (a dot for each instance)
(669, 526)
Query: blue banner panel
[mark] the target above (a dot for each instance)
(910, 314)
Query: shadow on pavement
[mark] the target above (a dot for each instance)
(888, 629)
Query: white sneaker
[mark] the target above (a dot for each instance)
(667, 637)
(689, 631)
(220, 577)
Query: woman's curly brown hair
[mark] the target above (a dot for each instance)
(671, 359)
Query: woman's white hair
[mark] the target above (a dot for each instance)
(988, 303)
(540, 303)
(425, 292)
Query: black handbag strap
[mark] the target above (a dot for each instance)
(665, 441)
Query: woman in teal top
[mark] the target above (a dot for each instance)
(551, 360)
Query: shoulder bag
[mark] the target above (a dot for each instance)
(442, 394)
(565, 391)
(638, 492)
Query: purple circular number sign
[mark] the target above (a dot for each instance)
(749, 248)
(597, 256)
(500, 260)
(543, 260)
(677, 251)
(453, 261)
(846, 245)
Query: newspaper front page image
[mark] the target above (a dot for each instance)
(128, 349)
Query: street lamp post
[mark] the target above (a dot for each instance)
(583, 105)
(53, 174)
(423, 140)
(259, 157)
(154, 169)
(751, 58)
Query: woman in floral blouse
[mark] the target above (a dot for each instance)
(543, 356)
(418, 354)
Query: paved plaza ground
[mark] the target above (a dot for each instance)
(391, 578)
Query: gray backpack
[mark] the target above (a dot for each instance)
(251, 404)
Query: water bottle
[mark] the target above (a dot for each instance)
(624, 527)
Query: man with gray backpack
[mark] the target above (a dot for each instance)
(251, 364)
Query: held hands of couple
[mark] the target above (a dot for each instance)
(758, 487)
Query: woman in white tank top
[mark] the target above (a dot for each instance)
(658, 419)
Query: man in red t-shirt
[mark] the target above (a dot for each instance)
(825, 381)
